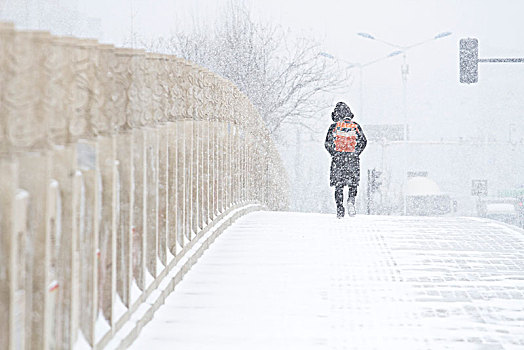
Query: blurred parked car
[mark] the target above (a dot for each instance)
(423, 197)
(501, 209)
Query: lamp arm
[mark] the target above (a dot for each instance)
(390, 44)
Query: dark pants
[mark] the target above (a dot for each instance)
(339, 194)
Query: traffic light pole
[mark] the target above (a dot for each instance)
(373, 186)
(469, 60)
(502, 60)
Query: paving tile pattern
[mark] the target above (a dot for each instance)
(310, 281)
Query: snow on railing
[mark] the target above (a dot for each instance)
(113, 163)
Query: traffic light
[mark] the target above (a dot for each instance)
(375, 180)
(469, 60)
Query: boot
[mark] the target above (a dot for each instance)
(340, 211)
(351, 206)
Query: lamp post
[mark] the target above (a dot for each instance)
(404, 68)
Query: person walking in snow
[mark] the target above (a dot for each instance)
(345, 141)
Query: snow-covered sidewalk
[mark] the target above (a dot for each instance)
(278, 280)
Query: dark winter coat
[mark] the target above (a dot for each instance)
(345, 166)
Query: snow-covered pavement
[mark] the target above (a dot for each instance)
(278, 280)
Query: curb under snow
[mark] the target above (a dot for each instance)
(124, 334)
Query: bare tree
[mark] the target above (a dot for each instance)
(283, 76)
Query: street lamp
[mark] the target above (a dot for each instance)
(438, 36)
(404, 68)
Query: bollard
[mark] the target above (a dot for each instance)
(173, 189)
(190, 178)
(220, 159)
(20, 315)
(64, 171)
(163, 194)
(205, 162)
(33, 178)
(139, 209)
(182, 188)
(49, 327)
(8, 283)
(106, 163)
(88, 239)
(213, 159)
(125, 158)
(151, 145)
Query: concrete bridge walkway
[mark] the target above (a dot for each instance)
(277, 280)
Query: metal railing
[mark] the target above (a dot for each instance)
(112, 163)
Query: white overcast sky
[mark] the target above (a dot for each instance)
(434, 95)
